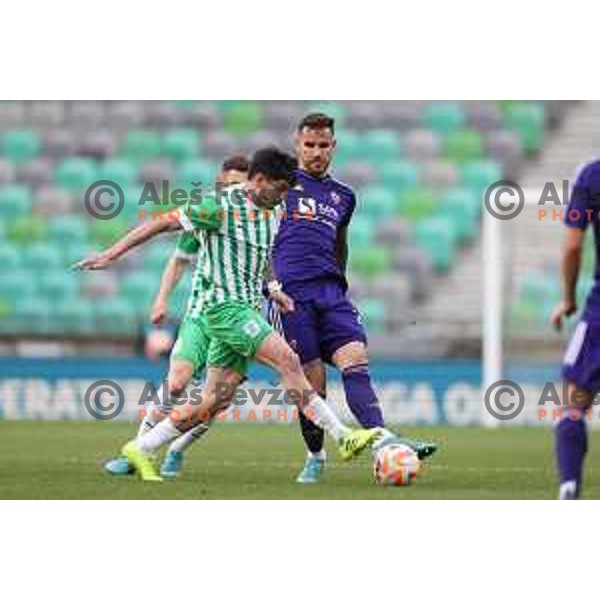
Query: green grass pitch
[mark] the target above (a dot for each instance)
(44, 459)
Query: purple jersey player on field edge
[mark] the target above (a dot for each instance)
(581, 363)
(309, 261)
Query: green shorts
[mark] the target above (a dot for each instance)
(227, 335)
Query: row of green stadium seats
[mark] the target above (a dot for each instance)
(449, 118)
(24, 144)
(74, 174)
(244, 116)
(118, 316)
(54, 256)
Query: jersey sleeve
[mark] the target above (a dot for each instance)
(187, 246)
(208, 214)
(585, 197)
(348, 216)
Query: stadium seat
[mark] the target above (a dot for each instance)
(444, 117)
(15, 200)
(479, 175)
(416, 203)
(373, 312)
(99, 144)
(181, 144)
(21, 145)
(10, 257)
(370, 262)
(439, 175)
(157, 253)
(76, 174)
(125, 114)
(393, 288)
(484, 115)
(356, 173)
(361, 231)
(7, 171)
(28, 229)
(505, 147)
(45, 113)
(243, 117)
(116, 316)
(156, 171)
(36, 172)
(220, 144)
(60, 142)
(121, 171)
(378, 201)
(76, 316)
(401, 115)
(76, 251)
(197, 170)
(59, 285)
(51, 201)
(141, 145)
(68, 229)
(527, 118)
(12, 114)
(17, 285)
(399, 175)
(139, 288)
(393, 231)
(33, 314)
(163, 114)
(437, 236)
(364, 116)
(99, 285)
(43, 256)
(463, 146)
(203, 115)
(105, 233)
(86, 115)
(422, 145)
(349, 147)
(382, 144)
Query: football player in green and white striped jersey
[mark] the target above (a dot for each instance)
(233, 171)
(236, 233)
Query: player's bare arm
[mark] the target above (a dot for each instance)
(136, 237)
(284, 302)
(570, 268)
(170, 278)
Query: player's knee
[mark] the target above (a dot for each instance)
(289, 363)
(177, 383)
(180, 375)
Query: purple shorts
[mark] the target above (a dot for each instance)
(581, 364)
(319, 325)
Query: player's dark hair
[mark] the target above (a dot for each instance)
(273, 164)
(317, 121)
(237, 162)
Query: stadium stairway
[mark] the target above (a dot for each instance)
(531, 248)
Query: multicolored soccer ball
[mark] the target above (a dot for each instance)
(396, 464)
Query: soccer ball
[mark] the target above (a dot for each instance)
(396, 464)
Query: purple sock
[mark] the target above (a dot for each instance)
(360, 396)
(571, 446)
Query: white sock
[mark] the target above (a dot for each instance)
(155, 413)
(321, 454)
(185, 440)
(160, 435)
(568, 491)
(320, 414)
